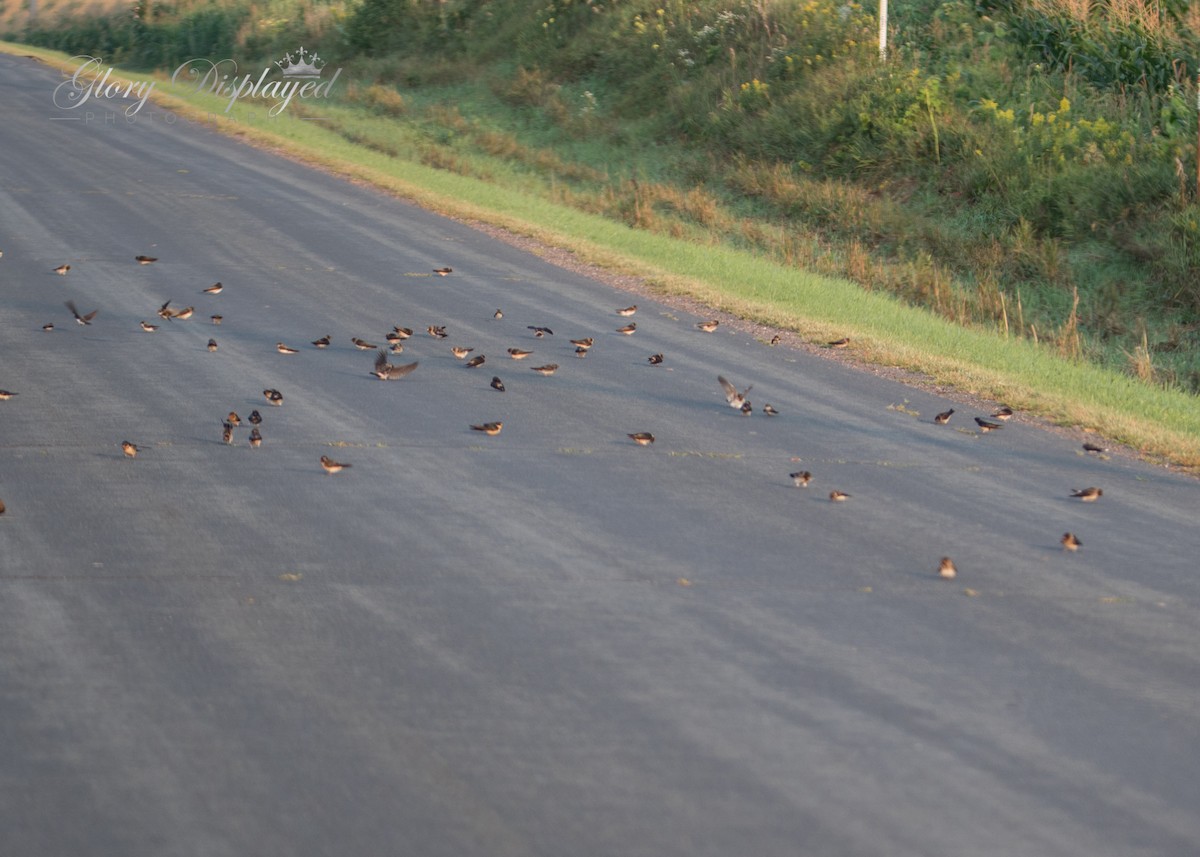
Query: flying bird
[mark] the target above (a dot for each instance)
(130, 449)
(385, 371)
(947, 569)
(944, 417)
(801, 478)
(475, 361)
(629, 310)
(491, 429)
(708, 326)
(1071, 542)
(628, 329)
(497, 384)
(81, 319)
(986, 426)
(732, 396)
(332, 466)
(1087, 495)
(641, 438)
(286, 349)
(145, 260)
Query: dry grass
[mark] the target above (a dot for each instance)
(14, 14)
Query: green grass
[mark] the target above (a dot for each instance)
(1158, 421)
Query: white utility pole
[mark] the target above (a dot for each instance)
(883, 30)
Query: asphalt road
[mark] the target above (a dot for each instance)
(547, 642)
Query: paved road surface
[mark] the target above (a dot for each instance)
(470, 645)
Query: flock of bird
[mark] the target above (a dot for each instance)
(385, 370)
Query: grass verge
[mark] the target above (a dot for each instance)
(1160, 423)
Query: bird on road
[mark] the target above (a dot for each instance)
(628, 329)
(185, 313)
(255, 438)
(548, 369)
(801, 478)
(459, 352)
(286, 349)
(944, 417)
(441, 272)
(732, 396)
(497, 384)
(130, 449)
(323, 342)
(233, 419)
(332, 466)
(498, 314)
(273, 396)
(947, 569)
(654, 359)
(61, 270)
(629, 310)
(145, 260)
(216, 319)
(212, 345)
(708, 326)
(227, 434)
(1087, 495)
(214, 289)
(986, 426)
(149, 328)
(5, 395)
(490, 429)
(583, 343)
(255, 418)
(838, 496)
(437, 331)
(642, 438)
(1071, 542)
(475, 361)
(539, 332)
(518, 353)
(770, 410)
(362, 344)
(1003, 413)
(844, 342)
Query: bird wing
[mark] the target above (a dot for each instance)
(395, 372)
(730, 390)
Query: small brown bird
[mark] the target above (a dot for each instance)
(185, 313)
(947, 569)
(986, 426)
(732, 396)
(628, 329)
(323, 342)
(539, 332)
(581, 352)
(1091, 447)
(944, 417)
(393, 338)
(165, 311)
(801, 478)
(145, 260)
(497, 384)
(629, 310)
(214, 289)
(498, 314)
(518, 353)
(475, 361)
(654, 359)
(255, 438)
(402, 332)
(770, 411)
(441, 272)
(1087, 495)
(130, 449)
(385, 371)
(227, 434)
(286, 349)
(708, 326)
(212, 345)
(61, 270)
(437, 331)
(1003, 413)
(332, 466)
(216, 319)
(844, 342)
(81, 319)
(776, 339)
(583, 343)
(838, 496)
(641, 438)
(459, 352)
(362, 344)
(396, 348)
(46, 328)
(490, 429)
(5, 395)
(149, 328)
(255, 418)
(273, 396)
(233, 419)
(547, 370)
(1071, 542)
(746, 409)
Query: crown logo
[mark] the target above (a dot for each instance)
(301, 68)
